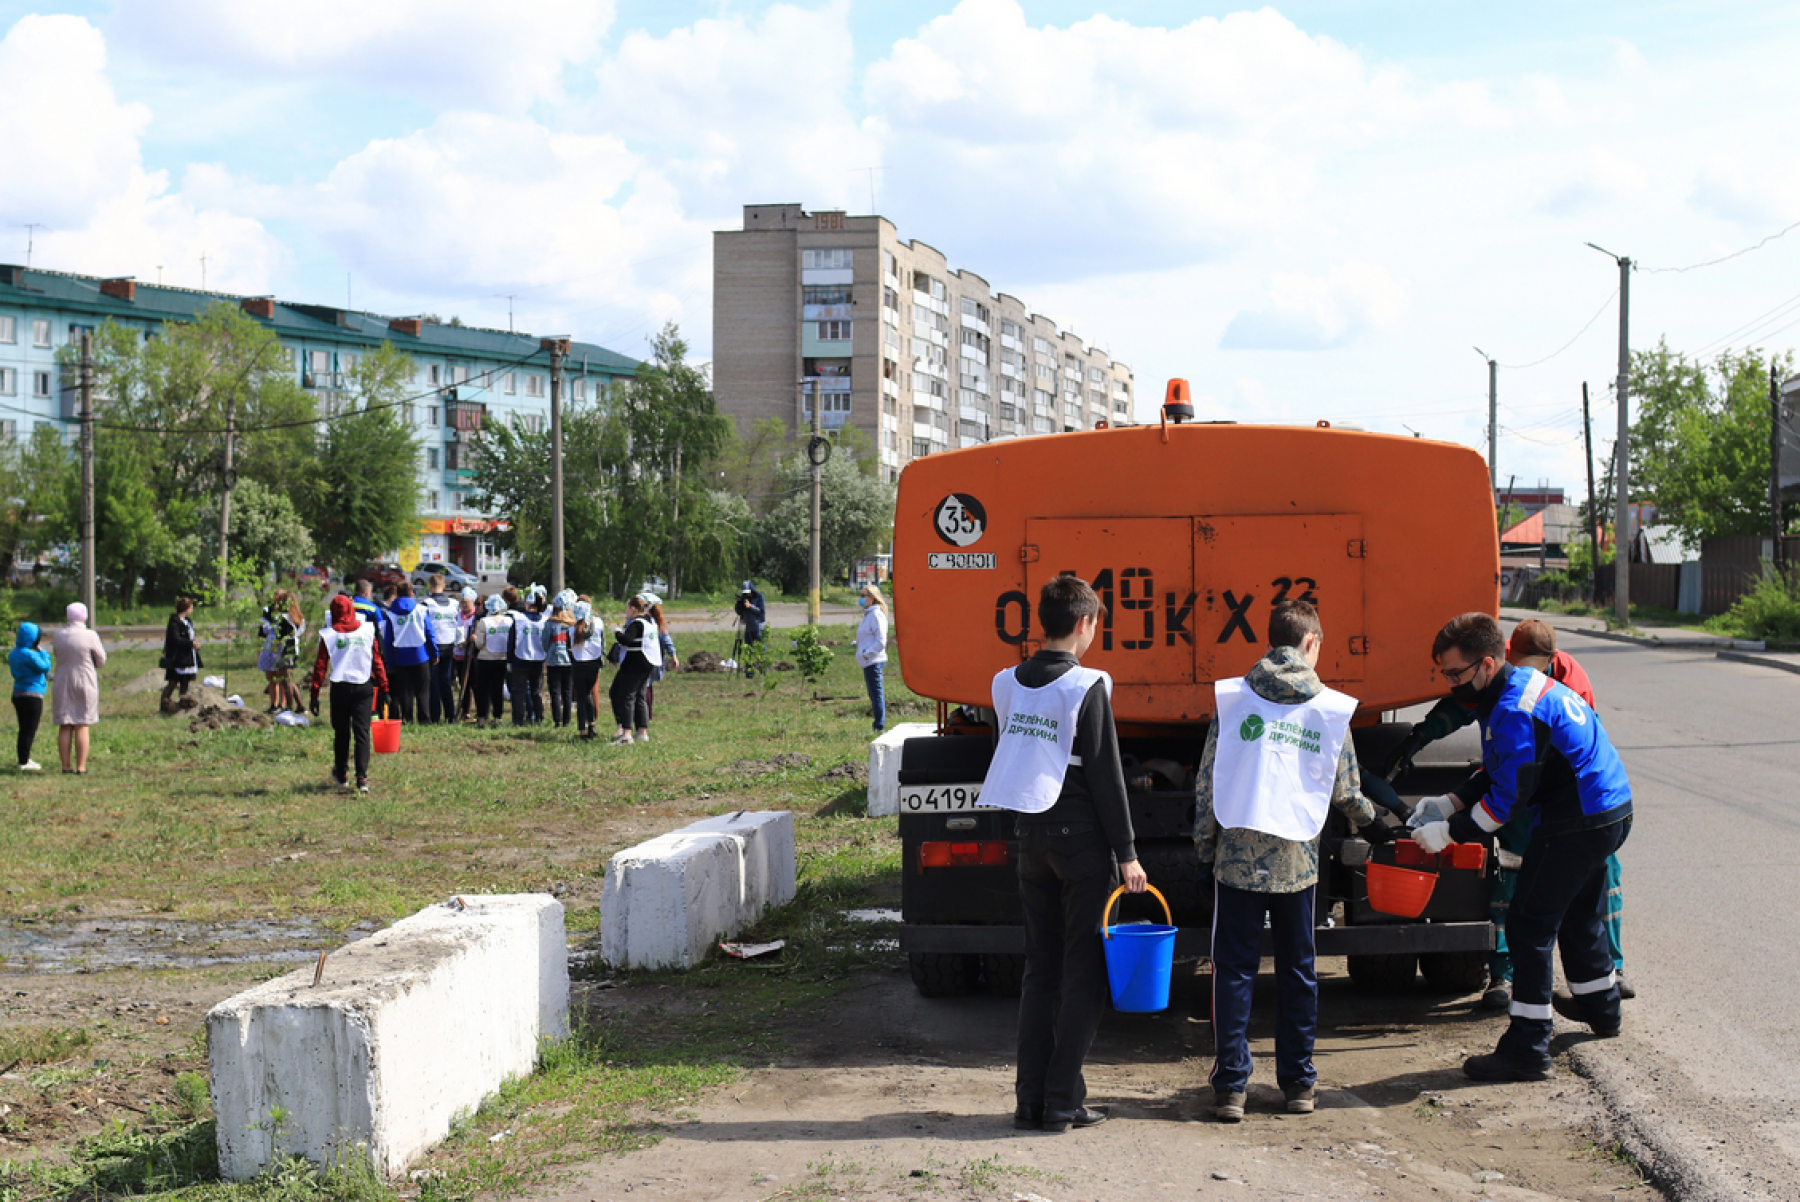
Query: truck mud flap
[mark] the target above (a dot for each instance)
(1401, 939)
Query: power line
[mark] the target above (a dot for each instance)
(1776, 313)
(1571, 342)
(1725, 259)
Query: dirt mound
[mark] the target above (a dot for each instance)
(228, 717)
(199, 697)
(149, 682)
(706, 661)
(854, 771)
(768, 767)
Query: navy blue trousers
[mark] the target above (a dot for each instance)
(1560, 901)
(443, 687)
(1066, 874)
(1237, 933)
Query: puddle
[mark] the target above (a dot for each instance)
(98, 944)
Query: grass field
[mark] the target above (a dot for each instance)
(231, 824)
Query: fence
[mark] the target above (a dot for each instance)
(1657, 584)
(1730, 567)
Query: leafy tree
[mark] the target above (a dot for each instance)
(1700, 440)
(136, 532)
(34, 494)
(855, 512)
(363, 498)
(266, 529)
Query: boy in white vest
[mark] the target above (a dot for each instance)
(1277, 758)
(1057, 765)
(350, 659)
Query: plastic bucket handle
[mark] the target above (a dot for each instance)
(1106, 927)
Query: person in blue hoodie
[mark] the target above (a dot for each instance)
(30, 672)
(410, 649)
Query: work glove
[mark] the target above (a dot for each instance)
(1400, 757)
(1433, 837)
(1376, 833)
(1434, 809)
(315, 705)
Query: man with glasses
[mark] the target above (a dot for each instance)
(1542, 747)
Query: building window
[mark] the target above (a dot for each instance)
(431, 500)
(457, 501)
(578, 389)
(1010, 328)
(318, 362)
(835, 258)
(921, 448)
(888, 262)
(431, 459)
(534, 385)
(509, 383)
(9, 329)
(825, 294)
(9, 382)
(834, 331)
(431, 416)
(452, 461)
(40, 333)
(40, 383)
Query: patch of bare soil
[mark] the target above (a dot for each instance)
(888, 1095)
(855, 772)
(768, 767)
(228, 717)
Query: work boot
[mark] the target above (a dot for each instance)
(1495, 1067)
(1625, 989)
(1228, 1107)
(1498, 996)
(1301, 1099)
(1083, 1116)
(1566, 1005)
(1029, 1116)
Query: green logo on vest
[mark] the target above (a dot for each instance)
(1251, 729)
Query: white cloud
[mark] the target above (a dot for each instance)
(1312, 313)
(466, 53)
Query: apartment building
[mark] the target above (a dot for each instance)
(890, 340)
(465, 378)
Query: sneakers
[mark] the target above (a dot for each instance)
(643, 736)
(1498, 996)
(31, 766)
(1566, 1005)
(621, 740)
(1495, 1067)
(362, 786)
(1228, 1107)
(342, 782)
(1301, 1099)
(1061, 1120)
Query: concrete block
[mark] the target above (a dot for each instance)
(884, 766)
(408, 1030)
(668, 899)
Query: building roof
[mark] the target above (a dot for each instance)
(155, 303)
(1562, 524)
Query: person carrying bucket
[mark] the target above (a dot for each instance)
(350, 657)
(1056, 764)
(1278, 756)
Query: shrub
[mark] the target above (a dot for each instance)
(1771, 610)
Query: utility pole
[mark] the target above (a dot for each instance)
(558, 347)
(1493, 421)
(1775, 463)
(228, 479)
(1593, 513)
(814, 446)
(86, 394)
(1622, 449)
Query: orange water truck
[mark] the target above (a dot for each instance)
(1190, 532)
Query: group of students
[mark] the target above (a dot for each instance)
(437, 658)
(1261, 803)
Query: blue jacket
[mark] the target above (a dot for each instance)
(406, 657)
(370, 610)
(1541, 747)
(30, 667)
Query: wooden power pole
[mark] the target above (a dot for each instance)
(558, 348)
(86, 395)
(1594, 524)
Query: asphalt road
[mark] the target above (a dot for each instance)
(1706, 1077)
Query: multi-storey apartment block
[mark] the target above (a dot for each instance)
(890, 340)
(465, 378)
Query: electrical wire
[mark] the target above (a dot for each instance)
(1543, 442)
(1775, 314)
(1724, 259)
(1571, 342)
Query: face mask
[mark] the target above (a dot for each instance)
(862, 602)
(1468, 692)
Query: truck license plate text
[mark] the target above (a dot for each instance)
(938, 799)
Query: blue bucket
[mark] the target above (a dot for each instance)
(1140, 958)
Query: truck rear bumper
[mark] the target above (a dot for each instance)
(1373, 940)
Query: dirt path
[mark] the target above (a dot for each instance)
(892, 1096)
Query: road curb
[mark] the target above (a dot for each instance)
(1701, 643)
(1761, 661)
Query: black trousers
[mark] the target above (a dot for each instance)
(351, 707)
(560, 678)
(30, 709)
(630, 710)
(411, 685)
(587, 675)
(1064, 881)
(525, 677)
(490, 689)
(443, 686)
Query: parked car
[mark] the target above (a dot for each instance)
(382, 574)
(655, 584)
(455, 578)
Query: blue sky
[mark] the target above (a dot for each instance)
(1311, 211)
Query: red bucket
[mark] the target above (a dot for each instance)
(384, 735)
(1399, 891)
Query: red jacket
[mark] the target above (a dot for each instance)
(1564, 668)
(343, 617)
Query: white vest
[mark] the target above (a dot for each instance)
(528, 636)
(352, 653)
(1274, 765)
(650, 641)
(442, 615)
(594, 647)
(499, 632)
(1037, 738)
(409, 628)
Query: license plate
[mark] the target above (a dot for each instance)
(938, 799)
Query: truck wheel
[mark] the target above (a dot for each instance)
(1455, 972)
(1174, 870)
(942, 974)
(1386, 972)
(1004, 972)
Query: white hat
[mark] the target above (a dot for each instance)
(469, 594)
(495, 603)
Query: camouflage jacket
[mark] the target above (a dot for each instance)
(1252, 860)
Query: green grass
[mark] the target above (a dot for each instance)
(233, 824)
(40, 1045)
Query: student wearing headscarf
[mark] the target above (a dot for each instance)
(75, 691)
(350, 657)
(588, 652)
(640, 642)
(492, 635)
(525, 658)
(559, 658)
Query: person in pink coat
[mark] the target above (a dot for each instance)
(75, 689)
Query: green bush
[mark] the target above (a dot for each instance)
(1771, 610)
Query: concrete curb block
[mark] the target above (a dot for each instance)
(884, 766)
(409, 1029)
(1696, 643)
(1761, 661)
(667, 899)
